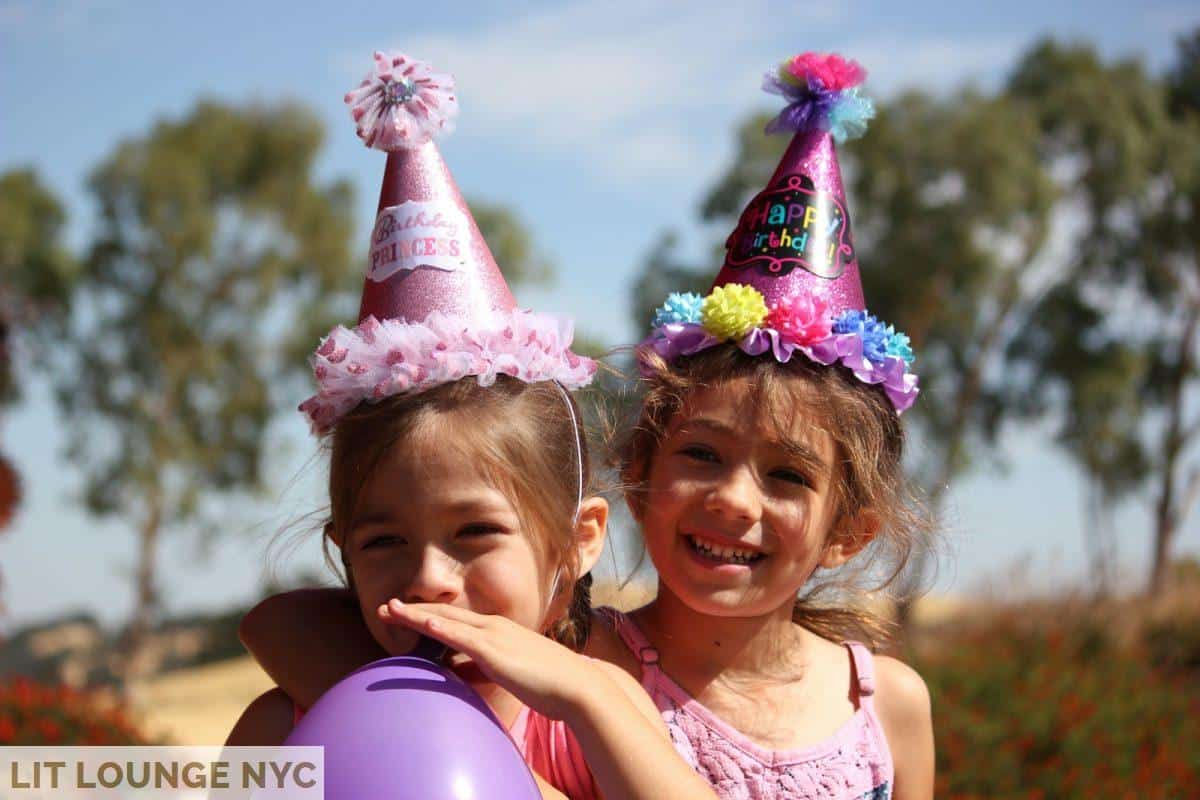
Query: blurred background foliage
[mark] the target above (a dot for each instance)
(1038, 242)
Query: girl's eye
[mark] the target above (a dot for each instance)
(791, 476)
(699, 452)
(477, 529)
(382, 540)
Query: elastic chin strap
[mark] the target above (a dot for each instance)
(575, 426)
(578, 451)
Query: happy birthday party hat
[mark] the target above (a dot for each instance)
(435, 307)
(790, 280)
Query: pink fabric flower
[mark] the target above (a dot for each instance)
(804, 319)
(834, 72)
(402, 103)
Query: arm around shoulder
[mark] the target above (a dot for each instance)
(309, 639)
(267, 721)
(636, 694)
(902, 699)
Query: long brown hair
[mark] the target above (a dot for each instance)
(868, 474)
(529, 441)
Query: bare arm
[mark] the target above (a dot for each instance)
(627, 745)
(308, 640)
(620, 732)
(904, 710)
(266, 722)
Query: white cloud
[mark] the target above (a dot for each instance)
(608, 81)
(620, 84)
(933, 63)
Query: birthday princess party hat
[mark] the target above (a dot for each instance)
(435, 307)
(790, 281)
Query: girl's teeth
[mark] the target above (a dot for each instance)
(724, 553)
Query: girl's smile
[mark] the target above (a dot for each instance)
(736, 517)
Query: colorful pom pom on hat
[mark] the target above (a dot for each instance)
(435, 307)
(790, 280)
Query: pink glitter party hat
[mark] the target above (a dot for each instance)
(790, 281)
(435, 307)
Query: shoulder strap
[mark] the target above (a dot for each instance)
(632, 636)
(864, 673)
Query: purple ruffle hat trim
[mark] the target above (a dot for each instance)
(684, 339)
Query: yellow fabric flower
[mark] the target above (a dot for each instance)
(733, 310)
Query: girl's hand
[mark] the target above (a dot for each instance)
(541, 673)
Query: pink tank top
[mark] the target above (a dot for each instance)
(853, 763)
(548, 747)
(551, 750)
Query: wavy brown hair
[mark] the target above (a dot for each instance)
(868, 471)
(528, 439)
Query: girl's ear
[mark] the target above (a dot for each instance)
(849, 538)
(331, 534)
(591, 529)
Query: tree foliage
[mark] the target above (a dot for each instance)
(210, 227)
(1119, 337)
(36, 271)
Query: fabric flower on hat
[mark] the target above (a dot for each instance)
(681, 307)
(849, 115)
(874, 334)
(899, 345)
(803, 319)
(402, 103)
(833, 72)
(821, 90)
(733, 310)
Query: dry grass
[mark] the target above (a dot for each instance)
(198, 706)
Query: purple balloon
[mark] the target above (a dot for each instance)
(405, 728)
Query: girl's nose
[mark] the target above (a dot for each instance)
(437, 579)
(736, 496)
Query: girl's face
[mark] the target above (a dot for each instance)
(430, 527)
(737, 516)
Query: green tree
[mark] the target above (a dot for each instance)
(211, 230)
(36, 273)
(36, 270)
(1119, 337)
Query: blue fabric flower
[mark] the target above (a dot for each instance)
(681, 307)
(899, 346)
(849, 115)
(874, 334)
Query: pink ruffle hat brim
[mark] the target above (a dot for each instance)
(380, 359)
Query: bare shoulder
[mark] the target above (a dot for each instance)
(266, 721)
(901, 694)
(633, 690)
(902, 700)
(604, 643)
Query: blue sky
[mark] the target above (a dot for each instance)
(600, 121)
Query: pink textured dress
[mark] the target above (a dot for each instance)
(853, 763)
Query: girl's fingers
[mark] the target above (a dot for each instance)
(453, 634)
(395, 608)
